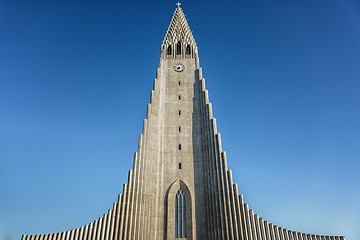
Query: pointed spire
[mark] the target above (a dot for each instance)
(178, 31)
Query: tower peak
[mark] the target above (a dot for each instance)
(178, 35)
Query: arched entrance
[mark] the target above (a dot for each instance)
(178, 208)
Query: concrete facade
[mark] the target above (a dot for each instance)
(179, 151)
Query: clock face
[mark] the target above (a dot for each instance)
(179, 67)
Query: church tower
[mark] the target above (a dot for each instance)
(180, 186)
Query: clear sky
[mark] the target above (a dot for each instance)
(283, 77)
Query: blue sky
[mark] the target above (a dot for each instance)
(283, 78)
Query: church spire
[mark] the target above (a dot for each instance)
(178, 41)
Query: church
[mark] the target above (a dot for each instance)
(180, 186)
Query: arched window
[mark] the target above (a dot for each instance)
(188, 51)
(178, 48)
(180, 215)
(169, 50)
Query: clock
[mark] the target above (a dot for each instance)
(179, 67)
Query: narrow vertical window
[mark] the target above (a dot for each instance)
(179, 129)
(180, 214)
(179, 97)
(177, 215)
(188, 49)
(178, 48)
(179, 112)
(179, 83)
(179, 165)
(179, 146)
(169, 50)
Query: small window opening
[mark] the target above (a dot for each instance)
(179, 83)
(179, 146)
(179, 97)
(169, 50)
(178, 48)
(188, 51)
(179, 165)
(179, 129)
(179, 112)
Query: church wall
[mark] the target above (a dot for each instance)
(172, 121)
